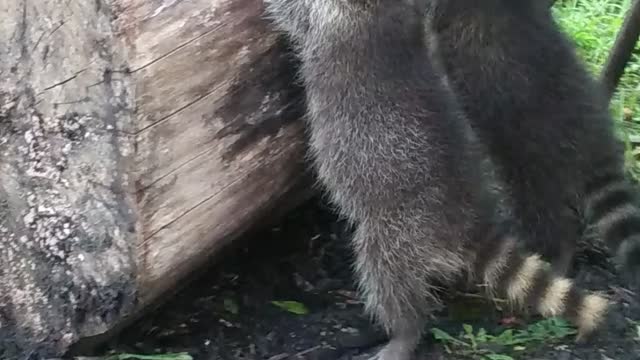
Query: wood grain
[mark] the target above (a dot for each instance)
(138, 137)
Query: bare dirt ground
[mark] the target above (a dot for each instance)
(228, 312)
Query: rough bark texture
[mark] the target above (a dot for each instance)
(67, 222)
(137, 137)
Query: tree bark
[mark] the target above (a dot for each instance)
(137, 138)
(622, 50)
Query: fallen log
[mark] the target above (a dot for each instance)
(137, 138)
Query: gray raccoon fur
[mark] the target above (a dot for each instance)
(545, 122)
(399, 160)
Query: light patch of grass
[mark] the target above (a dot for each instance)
(593, 26)
(479, 345)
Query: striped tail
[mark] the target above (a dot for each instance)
(612, 211)
(526, 280)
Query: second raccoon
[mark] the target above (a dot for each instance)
(545, 122)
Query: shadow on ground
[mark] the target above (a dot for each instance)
(228, 313)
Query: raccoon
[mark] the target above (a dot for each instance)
(400, 161)
(545, 122)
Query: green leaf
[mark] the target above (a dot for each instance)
(498, 357)
(231, 306)
(293, 307)
(482, 335)
(444, 336)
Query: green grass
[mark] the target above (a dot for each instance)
(593, 25)
(480, 345)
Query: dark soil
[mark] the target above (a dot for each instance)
(228, 314)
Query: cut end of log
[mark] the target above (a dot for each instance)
(137, 138)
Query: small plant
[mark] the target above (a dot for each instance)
(483, 346)
(231, 306)
(293, 307)
(634, 329)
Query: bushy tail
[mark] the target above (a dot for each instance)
(526, 280)
(612, 211)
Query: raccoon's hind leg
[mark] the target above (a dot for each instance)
(545, 208)
(394, 266)
(555, 231)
